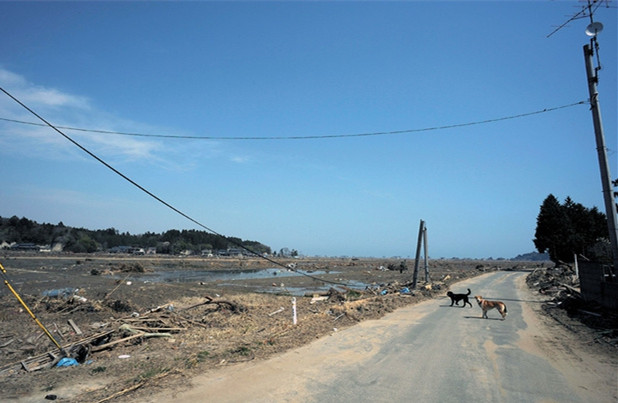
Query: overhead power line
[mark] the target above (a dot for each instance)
(309, 137)
(157, 198)
(580, 14)
(586, 11)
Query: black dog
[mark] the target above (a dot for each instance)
(455, 298)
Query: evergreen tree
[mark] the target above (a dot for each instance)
(568, 229)
(551, 228)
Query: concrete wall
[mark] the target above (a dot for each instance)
(599, 284)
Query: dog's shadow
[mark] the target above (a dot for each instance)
(521, 300)
(478, 317)
(454, 306)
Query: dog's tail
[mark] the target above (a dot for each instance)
(469, 292)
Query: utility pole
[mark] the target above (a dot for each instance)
(595, 108)
(425, 253)
(422, 234)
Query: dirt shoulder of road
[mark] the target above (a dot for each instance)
(145, 337)
(585, 355)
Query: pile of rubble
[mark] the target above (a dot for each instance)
(162, 321)
(561, 284)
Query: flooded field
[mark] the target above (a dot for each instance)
(137, 277)
(243, 278)
(183, 276)
(100, 274)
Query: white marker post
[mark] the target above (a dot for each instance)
(294, 310)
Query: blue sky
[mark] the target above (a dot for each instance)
(298, 69)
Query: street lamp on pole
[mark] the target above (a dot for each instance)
(592, 74)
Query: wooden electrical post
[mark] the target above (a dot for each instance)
(425, 253)
(421, 230)
(610, 206)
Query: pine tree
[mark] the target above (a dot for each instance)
(568, 229)
(552, 228)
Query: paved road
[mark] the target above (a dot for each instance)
(427, 352)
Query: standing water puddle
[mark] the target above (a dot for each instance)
(206, 276)
(189, 276)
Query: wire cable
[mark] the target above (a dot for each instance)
(580, 14)
(157, 198)
(310, 137)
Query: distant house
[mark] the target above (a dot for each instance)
(230, 252)
(235, 252)
(121, 249)
(26, 247)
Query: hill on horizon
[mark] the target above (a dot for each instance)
(80, 240)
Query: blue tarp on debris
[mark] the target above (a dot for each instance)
(60, 292)
(67, 362)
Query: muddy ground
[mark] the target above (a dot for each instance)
(136, 325)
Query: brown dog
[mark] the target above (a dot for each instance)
(487, 305)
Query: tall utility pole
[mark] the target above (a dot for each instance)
(425, 253)
(595, 108)
(422, 237)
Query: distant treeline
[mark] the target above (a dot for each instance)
(81, 240)
(532, 256)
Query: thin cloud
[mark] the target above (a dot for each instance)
(240, 159)
(11, 79)
(53, 98)
(39, 96)
(65, 109)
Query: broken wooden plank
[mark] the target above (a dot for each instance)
(128, 338)
(134, 387)
(59, 332)
(141, 319)
(75, 327)
(46, 361)
(113, 343)
(50, 356)
(192, 321)
(220, 303)
(318, 299)
(160, 307)
(277, 311)
(158, 329)
(573, 290)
